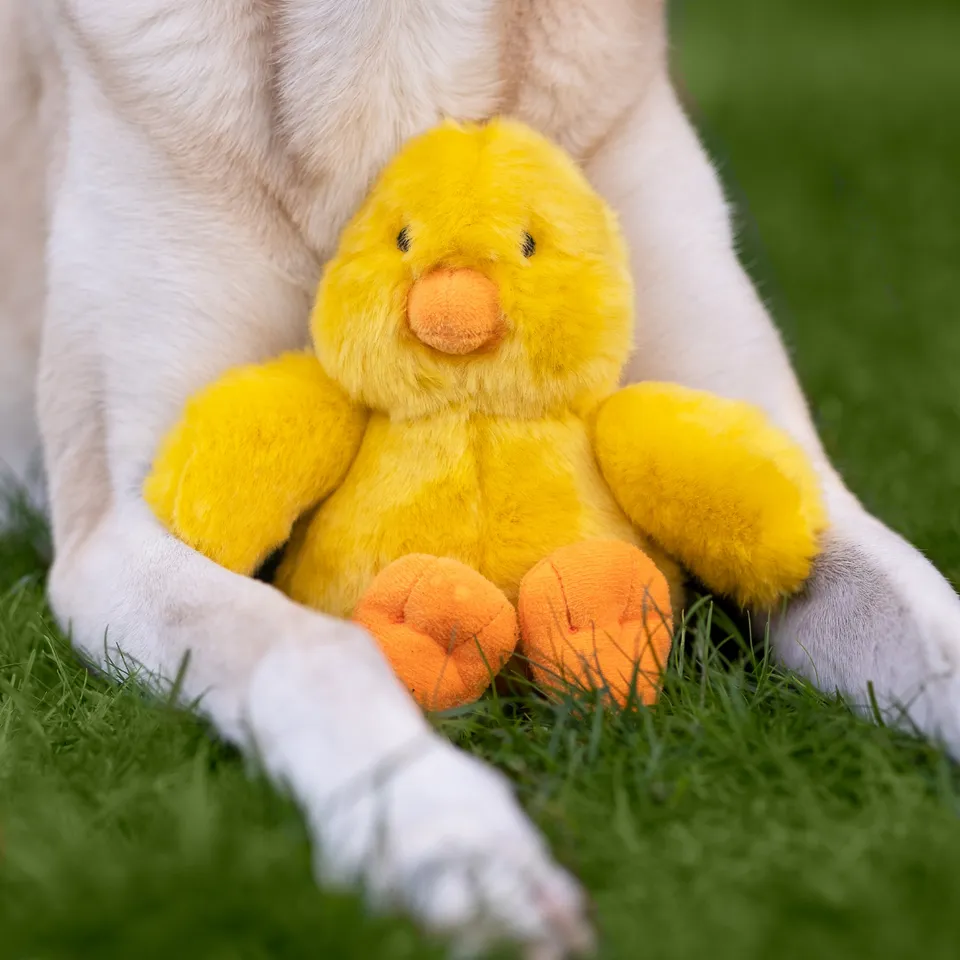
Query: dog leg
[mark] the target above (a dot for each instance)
(152, 293)
(22, 226)
(877, 620)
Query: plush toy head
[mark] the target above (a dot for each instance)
(482, 272)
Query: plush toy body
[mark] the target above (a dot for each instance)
(456, 465)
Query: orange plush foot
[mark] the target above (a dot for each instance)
(446, 629)
(597, 615)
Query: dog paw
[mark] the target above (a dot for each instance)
(878, 623)
(442, 837)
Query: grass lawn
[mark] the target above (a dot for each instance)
(747, 816)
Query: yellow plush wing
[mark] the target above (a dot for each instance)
(716, 484)
(252, 452)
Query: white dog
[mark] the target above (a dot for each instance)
(187, 165)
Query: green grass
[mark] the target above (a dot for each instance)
(747, 816)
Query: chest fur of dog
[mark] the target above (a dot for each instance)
(287, 109)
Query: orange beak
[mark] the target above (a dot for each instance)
(455, 311)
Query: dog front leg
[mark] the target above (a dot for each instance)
(877, 620)
(24, 110)
(152, 293)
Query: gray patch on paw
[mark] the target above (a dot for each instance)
(852, 631)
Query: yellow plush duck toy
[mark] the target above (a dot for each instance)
(455, 467)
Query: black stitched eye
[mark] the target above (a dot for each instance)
(403, 240)
(529, 245)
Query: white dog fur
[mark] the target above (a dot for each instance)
(187, 165)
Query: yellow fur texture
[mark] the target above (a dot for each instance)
(253, 451)
(466, 196)
(497, 494)
(732, 498)
(487, 457)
